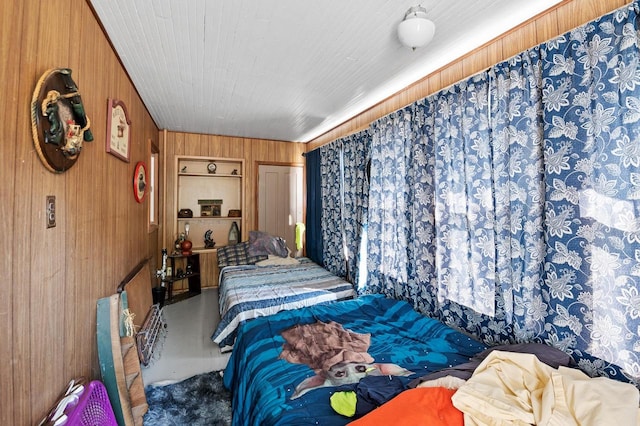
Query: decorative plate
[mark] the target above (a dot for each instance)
(58, 121)
(140, 182)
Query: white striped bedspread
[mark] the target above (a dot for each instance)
(250, 291)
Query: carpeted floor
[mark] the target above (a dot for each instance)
(198, 400)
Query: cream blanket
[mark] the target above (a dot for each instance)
(511, 388)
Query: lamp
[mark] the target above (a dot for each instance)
(416, 30)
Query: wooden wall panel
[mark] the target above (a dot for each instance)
(54, 277)
(519, 41)
(451, 74)
(22, 276)
(49, 294)
(72, 359)
(10, 39)
(475, 62)
(547, 26)
(563, 17)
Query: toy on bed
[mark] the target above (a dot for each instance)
(255, 281)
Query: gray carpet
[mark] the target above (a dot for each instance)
(198, 400)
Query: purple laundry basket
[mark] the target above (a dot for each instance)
(93, 408)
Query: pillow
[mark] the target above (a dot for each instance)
(261, 243)
(277, 261)
(237, 254)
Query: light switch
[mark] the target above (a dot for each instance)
(51, 211)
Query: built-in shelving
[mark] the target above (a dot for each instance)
(194, 184)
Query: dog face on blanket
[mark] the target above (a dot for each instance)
(337, 356)
(347, 373)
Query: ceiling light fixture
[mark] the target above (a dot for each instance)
(416, 30)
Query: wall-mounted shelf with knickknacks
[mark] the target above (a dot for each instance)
(213, 190)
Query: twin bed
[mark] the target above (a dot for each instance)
(302, 354)
(251, 291)
(284, 368)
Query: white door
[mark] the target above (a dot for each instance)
(280, 202)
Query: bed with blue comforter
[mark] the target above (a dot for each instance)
(251, 291)
(285, 367)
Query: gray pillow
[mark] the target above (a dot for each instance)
(261, 244)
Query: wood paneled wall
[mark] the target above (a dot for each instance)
(52, 278)
(556, 21)
(254, 152)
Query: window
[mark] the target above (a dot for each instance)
(153, 204)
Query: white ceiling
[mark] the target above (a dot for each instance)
(286, 69)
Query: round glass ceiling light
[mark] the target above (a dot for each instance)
(416, 30)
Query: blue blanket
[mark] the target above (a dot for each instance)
(250, 291)
(279, 376)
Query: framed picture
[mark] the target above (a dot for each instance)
(210, 207)
(140, 182)
(118, 130)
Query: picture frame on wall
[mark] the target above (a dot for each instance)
(118, 130)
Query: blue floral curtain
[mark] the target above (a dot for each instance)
(591, 97)
(422, 287)
(332, 208)
(517, 174)
(431, 210)
(389, 230)
(344, 199)
(464, 204)
(356, 193)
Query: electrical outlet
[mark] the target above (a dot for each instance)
(51, 211)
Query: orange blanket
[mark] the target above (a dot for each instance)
(427, 406)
